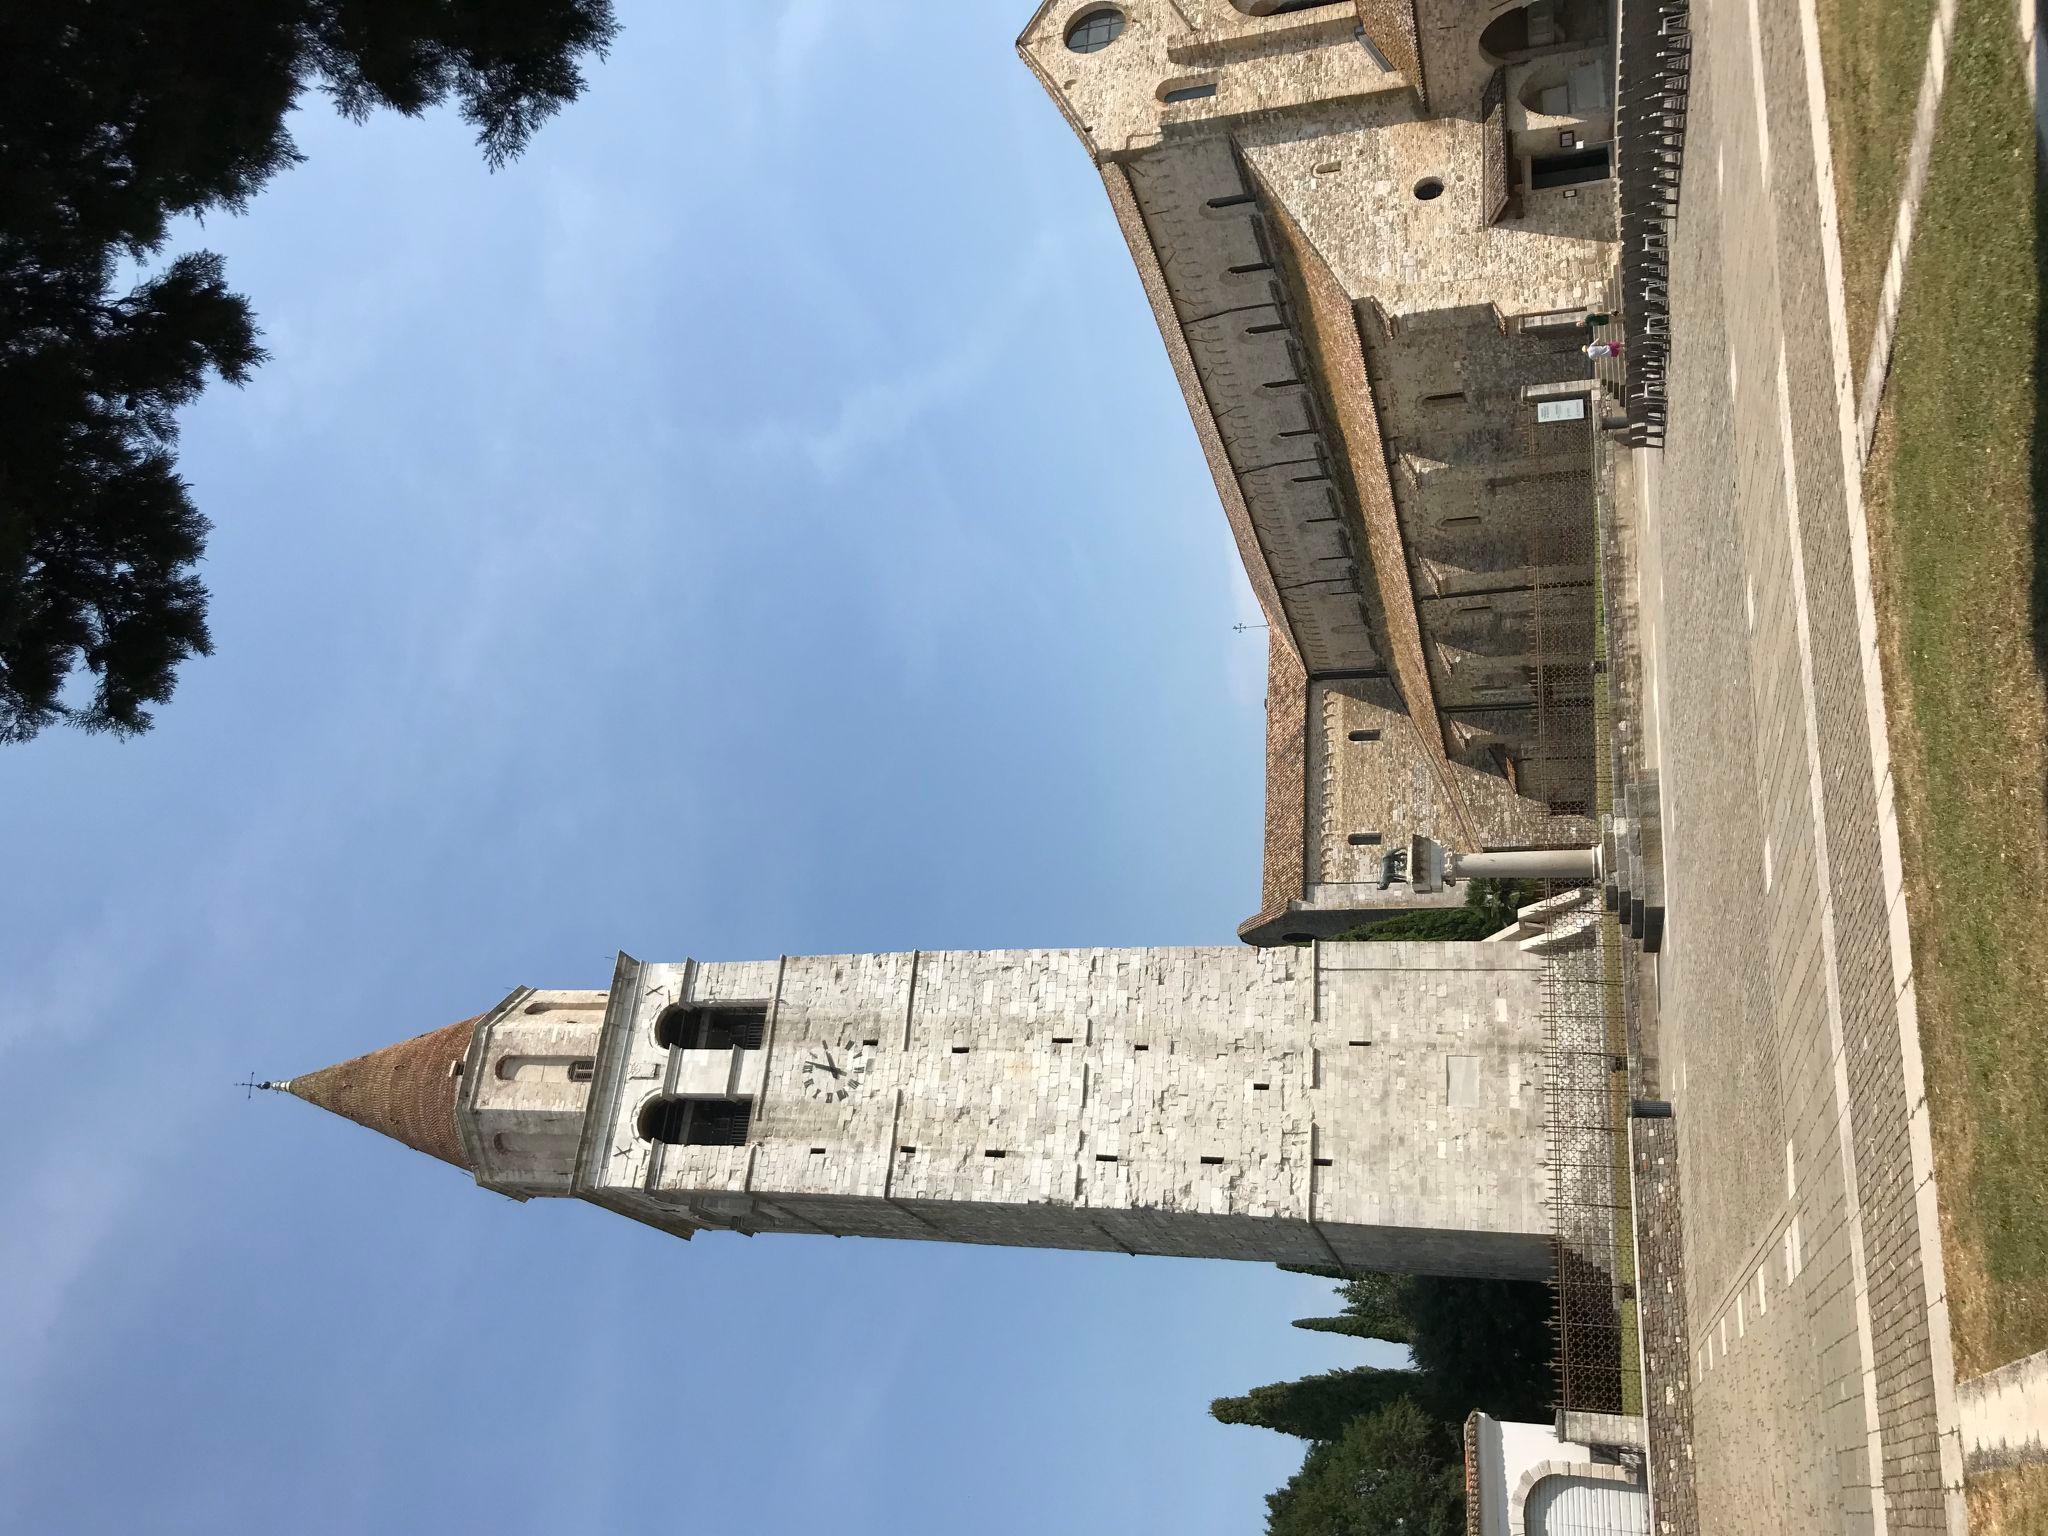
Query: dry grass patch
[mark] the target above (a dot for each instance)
(1954, 498)
(1873, 53)
(2010, 1503)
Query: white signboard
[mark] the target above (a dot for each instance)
(1573, 409)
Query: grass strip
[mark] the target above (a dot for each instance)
(1955, 495)
(1873, 53)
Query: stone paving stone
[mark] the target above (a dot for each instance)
(1660, 1310)
(1779, 1013)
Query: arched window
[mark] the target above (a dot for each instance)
(529, 1144)
(1093, 31)
(1544, 26)
(690, 1122)
(545, 1069)
(1282, 7)
(711, 1027)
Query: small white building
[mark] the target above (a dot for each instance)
(1528, 1480)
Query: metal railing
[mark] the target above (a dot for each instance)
(1586, 1086)
(1558, 757)
(1495, 174)
(1653, 84)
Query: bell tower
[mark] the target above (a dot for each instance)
(524, 1086)
(1369, 1105)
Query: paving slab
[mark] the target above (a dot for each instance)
(1821, 1387)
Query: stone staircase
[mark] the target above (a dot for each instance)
(1632, 853)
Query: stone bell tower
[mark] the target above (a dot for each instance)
(1372, 1105)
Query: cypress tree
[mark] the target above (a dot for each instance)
(1320, 1271)
(1316, 1407)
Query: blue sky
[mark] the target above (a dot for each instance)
(760, 520)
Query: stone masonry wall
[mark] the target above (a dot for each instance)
(1369, 1103)
(1347, 173)
(527, 1121)
(1116, 98)
(1389, 784)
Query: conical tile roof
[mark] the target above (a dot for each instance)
(407, 1091)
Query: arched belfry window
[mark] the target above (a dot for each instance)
(1282, 7)
(681, 1121)
(1543, 26)
(711, 1026)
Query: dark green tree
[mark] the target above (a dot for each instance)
(1316, 1407)
(1499, 900)
(1474, 1344)
(1490, 905)
(1481, 1344)
(117, 117)
(1321, 1271)
(1341, 1324)
(1372, 1310)
(1394, 1472)
(100, 547)
(1428, 925)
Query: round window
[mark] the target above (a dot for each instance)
(1093, 31)
(1429, 187)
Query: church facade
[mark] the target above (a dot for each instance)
(1371, 232)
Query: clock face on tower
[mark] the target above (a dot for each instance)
(834, 1073)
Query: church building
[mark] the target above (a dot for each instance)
(1371, 232)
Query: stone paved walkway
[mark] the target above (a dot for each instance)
(1823, 1393)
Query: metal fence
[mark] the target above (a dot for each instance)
(1494, 159)
(1654, 75)
(1587, 1086)
(1558, 757)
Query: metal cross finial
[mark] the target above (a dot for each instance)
(1241, 628)
(250, 1085)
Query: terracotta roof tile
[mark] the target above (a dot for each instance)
(1473, 1521)
(406, 1091)
(1286, 774)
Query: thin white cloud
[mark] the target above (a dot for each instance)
(882, 411)
(64, 1206)
(770, 89)
(801, 32)
(71, 1197)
